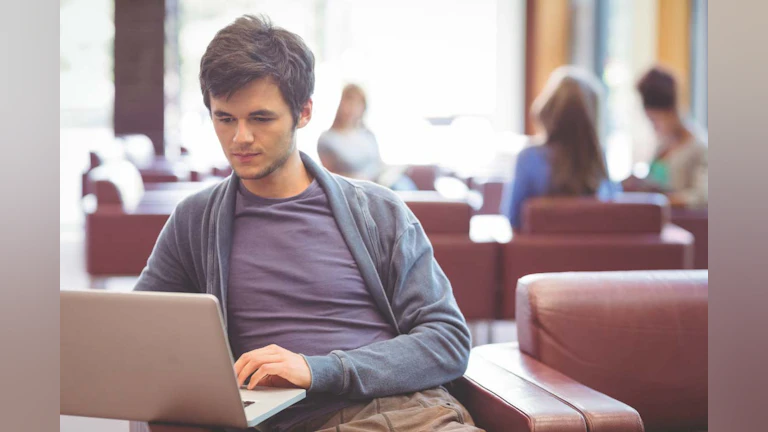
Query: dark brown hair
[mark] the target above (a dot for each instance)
(658, 89)
(567, 110)
(251, 48)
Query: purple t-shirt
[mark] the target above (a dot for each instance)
(293, 282)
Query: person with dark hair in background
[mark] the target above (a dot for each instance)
(350, 149)
(568, 159)
(679, 167)
(325, 283)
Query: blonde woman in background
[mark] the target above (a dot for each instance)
(350, 149)
(567, 159)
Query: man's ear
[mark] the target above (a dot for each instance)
(305, 115)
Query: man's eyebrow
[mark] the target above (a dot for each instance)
(262, 113)
(258, 113)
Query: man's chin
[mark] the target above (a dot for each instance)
(252, 173)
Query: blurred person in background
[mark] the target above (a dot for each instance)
(566, 158)
(679, 166)
(350, 149)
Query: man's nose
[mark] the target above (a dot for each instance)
(243, 134)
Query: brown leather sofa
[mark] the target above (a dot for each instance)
(124, 217)
(639, 337)
(632, 232)
(472, 267)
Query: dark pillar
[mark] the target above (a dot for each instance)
(139, 69)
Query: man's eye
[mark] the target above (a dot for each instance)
(262, 119)
(226, 120)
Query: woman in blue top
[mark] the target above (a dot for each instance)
(568, 159)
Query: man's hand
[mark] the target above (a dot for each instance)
(274, 367)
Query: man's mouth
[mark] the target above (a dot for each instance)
(245, 156)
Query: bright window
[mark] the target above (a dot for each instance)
(424, 66)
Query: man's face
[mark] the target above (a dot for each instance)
(255, 128)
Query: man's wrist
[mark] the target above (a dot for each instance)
(326, 373)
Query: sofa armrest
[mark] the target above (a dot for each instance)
(501, 401)
(600, 412)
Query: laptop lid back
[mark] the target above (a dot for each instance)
(146, 356)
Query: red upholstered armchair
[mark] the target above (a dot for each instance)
(124, 217)
(632, 232)
(595, 338)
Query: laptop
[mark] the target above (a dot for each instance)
(155, 357)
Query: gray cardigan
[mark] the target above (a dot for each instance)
(396, 262)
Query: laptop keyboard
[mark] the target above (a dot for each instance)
(247, 403)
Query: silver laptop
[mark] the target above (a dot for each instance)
(155, 357)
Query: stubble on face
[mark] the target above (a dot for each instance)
(255, 120)
(276, 164)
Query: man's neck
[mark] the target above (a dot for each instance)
(289, 180)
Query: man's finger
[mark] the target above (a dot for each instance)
(242, 361)
(254, 365)
(267, 369)
(245, 372)
(256, 360)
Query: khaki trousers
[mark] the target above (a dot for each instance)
(429, 410)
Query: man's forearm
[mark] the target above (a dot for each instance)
(425, 358)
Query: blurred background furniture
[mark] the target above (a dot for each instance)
(472, 267)
(124, 216)
(696, 221)
(631, 232)
(423, 176)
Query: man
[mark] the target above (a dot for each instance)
(326, 283)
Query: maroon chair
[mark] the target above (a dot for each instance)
(639, 337)
(631, 232)
(471, 267)
(491, 190)
(696, 221)
(124, 218)
(505, 390)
